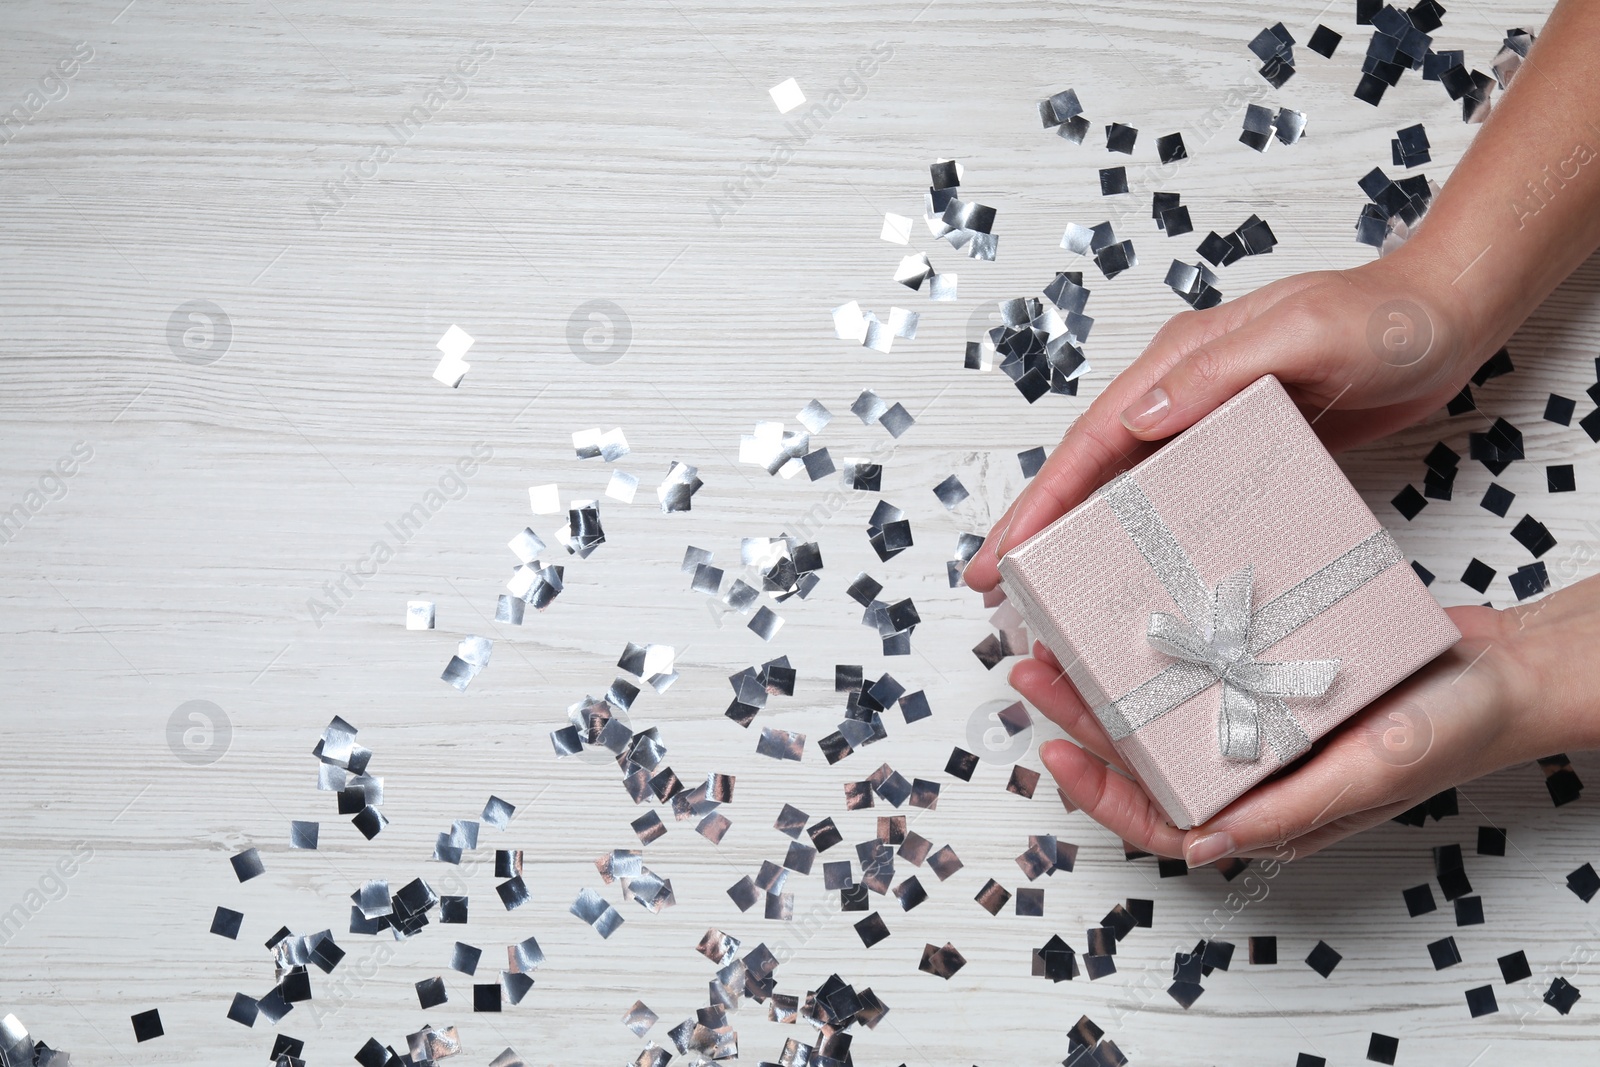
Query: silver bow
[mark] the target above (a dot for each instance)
(1230, 632)
(1252, 691)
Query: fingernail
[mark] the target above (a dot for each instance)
(1147, 412)
(999, 542)
(1209, 849)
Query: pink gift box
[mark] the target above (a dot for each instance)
(1225, 603)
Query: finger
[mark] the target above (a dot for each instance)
(1297, 341)
(1342, 779)
(1047, 688)
(982, 571)
(1098, 446)
(1332, 833)
(1115, 802)
(1095, 449)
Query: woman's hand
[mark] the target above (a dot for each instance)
(1518, 686)
(1363, 352)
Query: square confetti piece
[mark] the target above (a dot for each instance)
(147, 1025)
(1419, 900)
(1408, 502)
(1478, 575)
(1559, 409)
(1514, 967)
(1561, 995)
(1323, 959)
(1497, 499)
(961, 764)
(1584, 882)
(872, 929)
(1533, 535)
(247, 864)
(1480, 1001)
(226, 922)
(430, 992)
(1454, 883)
(244, 1010)
(787, 95)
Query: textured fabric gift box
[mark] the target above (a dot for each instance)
(1250, 485)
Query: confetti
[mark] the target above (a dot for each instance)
(896, 229)
(1274, 46)
(787, 95)
(247, 865)
(419, 614)
(1395, 208)
(1323, 959)
(472, 655)
(941, 962)
(453, 366)
(639, 1018)
(147, 1025)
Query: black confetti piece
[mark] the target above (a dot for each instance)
(1444, 953)
(1419, 900)
(1497, 499)
(1493, 367)
(1584, 882)
(1381, 1048)
(1533, 535)
(1324, 41)
(226, 923)
(147, 1024)
(1480, 1001)
(1529, 580)
(1478, 575)
(1514, 967)
(1559, 410)
(1590, 424)
(1462, 402)
(1409, 502)
(1323, 959)
(1561, 995)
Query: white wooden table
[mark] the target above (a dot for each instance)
(188, 159)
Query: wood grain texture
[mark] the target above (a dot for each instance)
(184, 162)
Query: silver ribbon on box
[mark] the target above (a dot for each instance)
(1221, 632)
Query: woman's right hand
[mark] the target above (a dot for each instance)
(1364, 352)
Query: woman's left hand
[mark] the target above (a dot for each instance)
(1495, 699)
